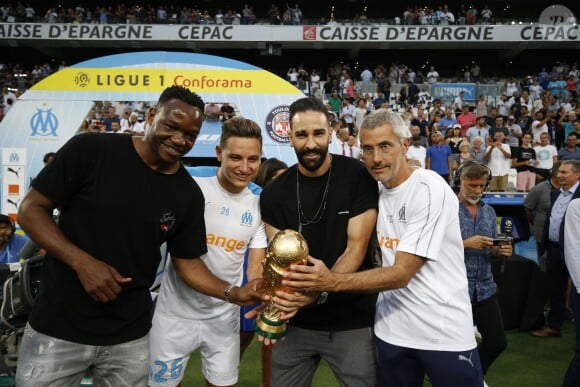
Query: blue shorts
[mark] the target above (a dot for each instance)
(400, 366)
(246, 325)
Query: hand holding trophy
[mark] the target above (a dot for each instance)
(288, 247)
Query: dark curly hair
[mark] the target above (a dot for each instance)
(182, 94)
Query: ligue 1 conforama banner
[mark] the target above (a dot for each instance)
(56, 108)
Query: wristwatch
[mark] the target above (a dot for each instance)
(322, 299)
(227, 291)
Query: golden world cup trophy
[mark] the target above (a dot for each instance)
(288, 247)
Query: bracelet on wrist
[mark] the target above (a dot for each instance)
(227, 291)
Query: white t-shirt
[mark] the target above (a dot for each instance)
(433, 312)
(417, 153)
(432, 76)
(233, 224)
(498, 163)
(537, 130)
(359, 116)
(545, 156)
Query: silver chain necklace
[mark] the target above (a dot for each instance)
(320, 212)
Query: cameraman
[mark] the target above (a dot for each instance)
(478, 231)
(10, 243)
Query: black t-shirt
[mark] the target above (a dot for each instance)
(521, 154)
(120, 211)
(351, 192)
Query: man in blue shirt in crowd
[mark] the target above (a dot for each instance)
(10, 243)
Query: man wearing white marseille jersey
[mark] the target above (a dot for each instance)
(185, 317)
(423, 320)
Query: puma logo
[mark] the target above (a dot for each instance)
(467, 359)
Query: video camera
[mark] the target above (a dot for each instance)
(21, 282)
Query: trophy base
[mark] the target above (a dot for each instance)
(270, 329)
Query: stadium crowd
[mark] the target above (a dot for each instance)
(278, 13)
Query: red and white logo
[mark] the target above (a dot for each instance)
(309, 33)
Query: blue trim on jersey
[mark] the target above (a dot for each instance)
(255, 188)
(202, 171)
(143, 58)
(212, 171)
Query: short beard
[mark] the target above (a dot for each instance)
(471, 200)
(312, 166)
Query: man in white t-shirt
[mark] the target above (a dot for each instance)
(185, 318)
(423, 320)
(539, 126)
(417, 151)
(547, 155)
(432, 75)
(458, 102)
(499, 161)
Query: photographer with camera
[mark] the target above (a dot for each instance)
(480, 242)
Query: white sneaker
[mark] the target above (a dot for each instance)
(485, 384)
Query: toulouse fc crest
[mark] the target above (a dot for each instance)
(278, 124)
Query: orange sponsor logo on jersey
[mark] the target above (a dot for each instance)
(388, 242)
(228, 245)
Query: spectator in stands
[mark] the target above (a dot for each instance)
(515, 132)
(466, 119)
(417, 150)
(379, 100)
(274, 14)
(296, 14)
(133, 127)
(412, 93)
(490, 118)
(524, 120)
(458, 103)
(478, 148)
(10, 242)
(499, 126)
(571, 151)
(347, 114)
(539, 126)
(292, 76)
(511, 87)
(503, 107)
(438, 157)
(547, 155)
(454, 139)
(248, 15)
(212, 112)
(481, 106)
(447, 122)
(416, 133)
(227, 111)
(499, 160)
(524, 161)
(359, 114)
(111, 115)
(353, 150)
(486, 15)
(432, 75)
(480, 129)
(478, 224)
(335, 101)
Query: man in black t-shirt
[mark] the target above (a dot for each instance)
(332, 201)
(121, 198)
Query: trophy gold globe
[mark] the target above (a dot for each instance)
(288, 247)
